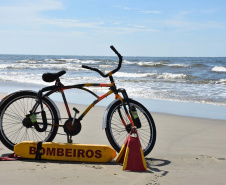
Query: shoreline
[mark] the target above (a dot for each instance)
(190, 109)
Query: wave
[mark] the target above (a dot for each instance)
(58, 61)
(88, 61)
(154, 75)
(150, 64)
(127, 62)
(73, 61)
(61, 61)
(69, 66)
(24, 78)
(3, 66)
(172, 76)
(138, 85)
(177, 65)
(221, 81)
(28, 61)
(134, 75)
(160, 64)
(105, 66)
(219, 69)
(37, 78)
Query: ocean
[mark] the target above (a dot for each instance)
(199, 80)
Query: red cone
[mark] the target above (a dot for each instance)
(132, 155)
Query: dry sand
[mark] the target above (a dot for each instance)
(188, 151)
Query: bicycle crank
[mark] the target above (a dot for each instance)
(72, 129)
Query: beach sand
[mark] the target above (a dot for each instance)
(187, 151)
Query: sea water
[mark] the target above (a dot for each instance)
(193, 86)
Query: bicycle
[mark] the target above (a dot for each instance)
(30, 115)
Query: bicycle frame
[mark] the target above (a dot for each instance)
(59, 87)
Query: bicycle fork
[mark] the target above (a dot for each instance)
(132, 114)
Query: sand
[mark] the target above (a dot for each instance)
(188, 151)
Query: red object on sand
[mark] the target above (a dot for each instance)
(131, 154)
(11, 157)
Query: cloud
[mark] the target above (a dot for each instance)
(100, 26)
(32, 6)
(139, 10)
(26, 12)
(27, 15)
(150, 12)
(43, 5)
(70, 23)
(117, 31)
(127, 8)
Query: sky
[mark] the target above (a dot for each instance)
(163, 28)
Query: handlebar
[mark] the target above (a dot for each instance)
(113, 71)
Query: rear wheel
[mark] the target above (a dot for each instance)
(117, 133)
(17, 114)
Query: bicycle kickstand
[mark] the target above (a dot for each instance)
(69, 138)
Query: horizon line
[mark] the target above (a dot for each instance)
(116, 56)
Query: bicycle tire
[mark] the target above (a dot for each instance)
(13, 111)
(117, 133)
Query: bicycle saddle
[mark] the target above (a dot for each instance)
(50, 77)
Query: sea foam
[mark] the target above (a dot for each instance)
(219, 69)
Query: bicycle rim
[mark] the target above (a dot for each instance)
(13, 130)
(147, 132)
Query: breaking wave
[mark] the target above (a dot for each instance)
(219, 69)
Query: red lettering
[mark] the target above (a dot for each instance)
(68, 152)
(60, 152)
(74, 153)
(50, 151)
(98, 154)
(81, 153)
(89, 153)
(32, 150)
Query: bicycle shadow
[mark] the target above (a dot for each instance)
(153, 165)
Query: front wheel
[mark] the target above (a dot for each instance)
(117, 133)
(16, 121)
